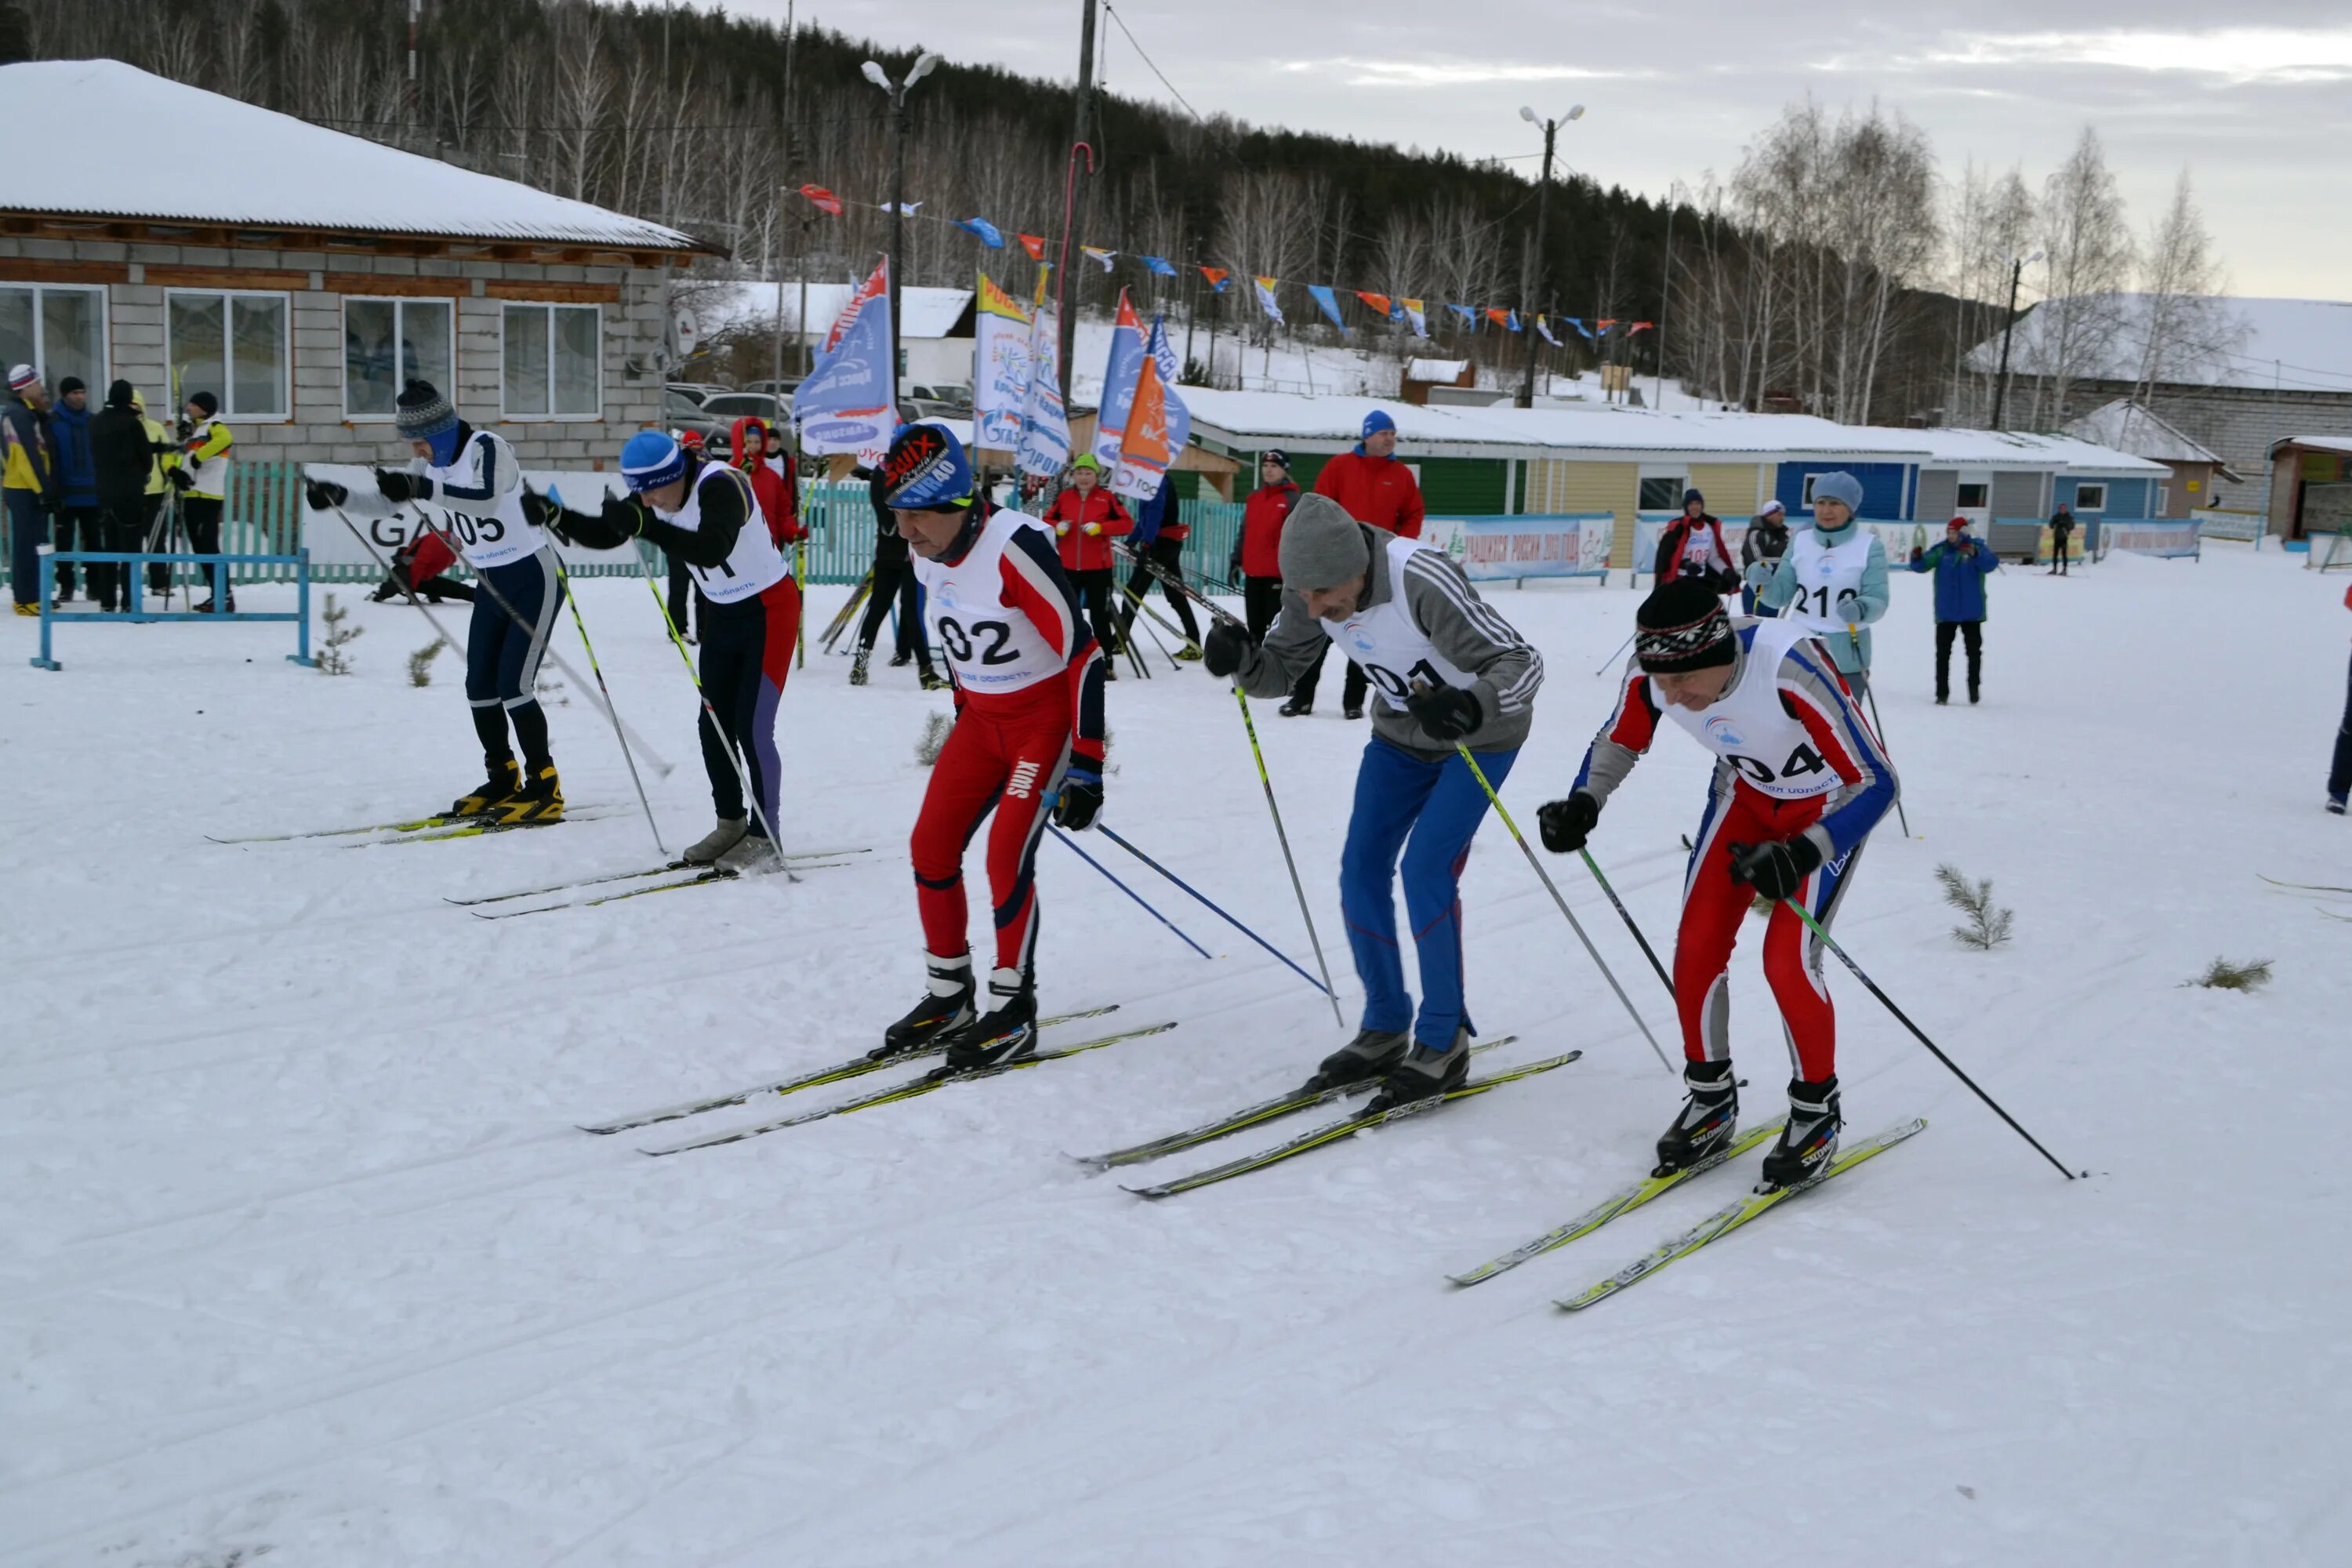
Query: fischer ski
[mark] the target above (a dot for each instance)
(937, 1078)
(702, 878)
(479, 827)
(1619, 1203)
(855, 1066)
(631, 877)
(1249, 1116)
(2304, 887)
(1346, 1126)
(1723, 1221)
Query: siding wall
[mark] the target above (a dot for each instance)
(2019, 493)
(1729, 488)
(1882, 487)
(1937, 497)
(1560, 486)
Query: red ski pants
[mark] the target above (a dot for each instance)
(1006, 754)
(1713, 906)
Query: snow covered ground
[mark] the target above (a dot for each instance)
(301, 1254)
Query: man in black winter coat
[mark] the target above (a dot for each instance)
(2062, 532)
(894, 579)
(124, 457)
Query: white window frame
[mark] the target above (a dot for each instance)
(592, 417)
(105, 324)
(2163, 507)
(2082, 505)
(227, 390)
(400, 303)
(1648, 472)
(1806, 495)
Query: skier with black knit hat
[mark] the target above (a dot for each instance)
(1800, 781)
(471, 478)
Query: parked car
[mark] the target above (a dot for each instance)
(694, 391)
(729, 406)
(787, 386)
(944, 399)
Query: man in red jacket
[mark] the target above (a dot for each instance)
(1085, 519)
(1257, 554)
(1372, 487)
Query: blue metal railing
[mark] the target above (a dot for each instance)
(215, 570)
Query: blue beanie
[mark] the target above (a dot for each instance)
(650, 461)
(1841, 487)
(1378, 419)
(927, 468)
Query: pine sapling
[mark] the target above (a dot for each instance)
(420, 663)
(2223, 975)
(936, 727)
(332, 660)
(1987, 927)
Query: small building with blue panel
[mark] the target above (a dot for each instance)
(1886, 486)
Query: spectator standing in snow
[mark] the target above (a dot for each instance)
(159, 493)
(28, 480)
(1833, 578)
(1257, 552)
(76, 525)
(1085, 519)
(123, 453)
(1371, 486)
(1760, 551)
(2062, 531)
(893, 579)
(1159, 539)
(1692, 546)
(1960, 564)
(203, 479)
(2339, 777)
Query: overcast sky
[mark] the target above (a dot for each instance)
(2254, 96)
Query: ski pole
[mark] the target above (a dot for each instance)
(1204, 898)
(1831, 942)
(1573, 925)
(1122, 887)
(848, 613)
(1127, 631)
(573, 598)
(1144, 604)
(1870, 694)
(1615, 656)
(1627, 916)
(1242, 697)
(800, 581)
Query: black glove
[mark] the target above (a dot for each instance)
(1234, 566)
(323, 494)
(1566, 824)
(180, 479)
(1082, 796)
(625, 514)
(396, 487)
(1448, 713)
(1776, 870)
(1225, 650)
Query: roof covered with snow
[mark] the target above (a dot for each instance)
(2134, 427)
(2290, 345)
(1435, 369)
(2316, 443)
(144, 146)
(929, 313)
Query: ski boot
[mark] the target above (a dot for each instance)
(1425, 1072)
(1352, 710)
(1809, 1142)
(486, 798)
(540, 798)
(1367, 1057)
(1708, 1119)
(1006, 1031)
(933, 681)
(1296, 707)
(706, 849)
(1189, 654)
(945, 1005)
(857, 667)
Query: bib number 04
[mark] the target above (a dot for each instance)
(1802, 762)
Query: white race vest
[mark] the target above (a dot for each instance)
(1748, 728)
(1825, 575)
(754, 565)
(990, 645)
(507, 535)
(1392, 652)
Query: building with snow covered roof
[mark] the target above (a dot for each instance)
(2195, 471)
(193, 242)
(935, 328)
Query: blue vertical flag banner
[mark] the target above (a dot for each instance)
(1329, 302)
(1000, 380)
(1119, 373)
(1044, 448)
(990, 236)
(1157, 424)
(849, 402)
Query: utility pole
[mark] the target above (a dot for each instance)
(2000, 387)
(1533, 276)
(1081, 131)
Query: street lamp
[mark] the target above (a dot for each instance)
(2017, 264)
(1535, 261)
(873, 73)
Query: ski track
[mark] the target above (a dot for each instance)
(305, 1257)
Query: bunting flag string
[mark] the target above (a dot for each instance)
(1322, 295)
(1155, 264)
(1099, 254)
(1417, 316)
(1034, 244)
(1543, 330)
(1216, 277)
(822, 199)
(988, 232)
(1265, 300)
(1380, 303)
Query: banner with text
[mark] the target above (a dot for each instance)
(1506, 549)
(390, 527)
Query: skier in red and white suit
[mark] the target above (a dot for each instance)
(1800, 781)
(1028, 737)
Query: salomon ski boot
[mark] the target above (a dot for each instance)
(1425, 1072)
(1007, 1030)
(1809, 1142)
(706, 849)
(485, 799)
(1367, 1057)
(1709, 1119)
(945, 1005)
(752, 855)
(540, 798)
(857, 667)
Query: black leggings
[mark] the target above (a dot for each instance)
(895, 582)
(1095, 590)
(1167, 554)
(1972, 635)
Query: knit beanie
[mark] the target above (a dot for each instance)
(120, 394)
(1682, 626)
(205, 401)
(70, 385)
(422, 413)
(927, 469)
(1842, 487)
(21, 377)
(1375, 422)
(650, 459)
(1322, 546)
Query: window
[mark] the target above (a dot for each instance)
(2090, 498)
(1664, 492)
(2163, 507)
(1974, 495)
(233, 346)
(389, 343)
(60, 332)
(553, 362)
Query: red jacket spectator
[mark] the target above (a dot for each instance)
(1070, 515)
(1378, 490)
(1263, 515)
(768, 487)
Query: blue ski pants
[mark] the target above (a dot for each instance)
(1428, 812)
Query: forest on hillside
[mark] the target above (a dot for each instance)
(710, 124)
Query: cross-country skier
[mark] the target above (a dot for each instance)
(1833, 578)
(1451, 672)
(1692, 546)
(1800, 781)
(1028, 736)
(470, 475)
(702, 512)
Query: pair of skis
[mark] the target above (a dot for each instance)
(416, 830)
(858, 1067)
(694, 877)
(2311, 887)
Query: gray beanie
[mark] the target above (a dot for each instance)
(1839, 486)
(1322, 546)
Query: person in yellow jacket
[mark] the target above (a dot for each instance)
(159, 486)
(201, 477)
(28, 481)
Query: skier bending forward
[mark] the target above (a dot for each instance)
(1800, 781)
(1451, 672)
(1028, 736)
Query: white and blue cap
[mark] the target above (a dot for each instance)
(651, 459)
(926, 470)
(1840, 487)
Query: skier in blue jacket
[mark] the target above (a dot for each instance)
(1960, 563)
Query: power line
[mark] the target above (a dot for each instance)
(1170, 86)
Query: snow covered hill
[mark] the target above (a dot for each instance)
(301, 1253)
